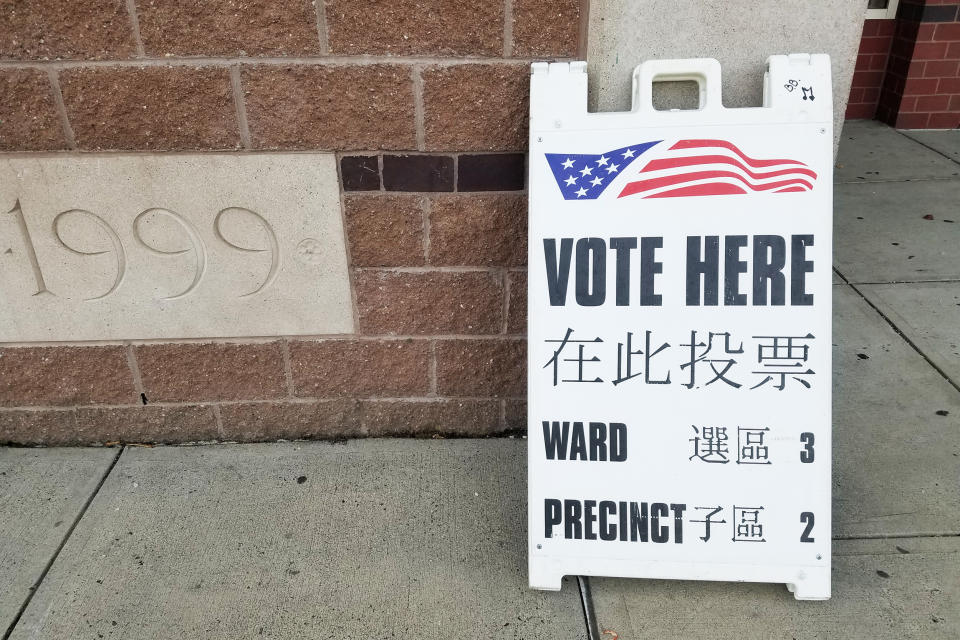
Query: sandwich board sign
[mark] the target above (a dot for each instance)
(679, 348)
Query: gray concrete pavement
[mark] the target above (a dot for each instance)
(945, 142)
(896, 460)
(882, 232)
(369, 539)
(873, 152)
(42, 491)
(905, 589)
(425, 539)
(928, 314)
(896, 426)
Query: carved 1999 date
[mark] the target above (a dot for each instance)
(196, 249)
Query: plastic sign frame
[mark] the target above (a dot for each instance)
(679, 330)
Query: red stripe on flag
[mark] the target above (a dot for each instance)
(687, 161)
(709, 189)
(655, 183)
(698, 144)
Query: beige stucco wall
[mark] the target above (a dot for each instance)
(738, 33)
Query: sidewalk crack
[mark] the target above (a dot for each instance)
(904, 336)
(43, 574)
(896, 536)
(924, 144)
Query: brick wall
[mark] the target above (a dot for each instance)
(869, 72)
(922, 84)
(425, 103)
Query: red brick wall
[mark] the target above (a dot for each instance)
(922, 84)
(425, 102)
(870, 68)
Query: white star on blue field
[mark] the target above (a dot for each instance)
(584, 176)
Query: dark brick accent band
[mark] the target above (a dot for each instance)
(434, 172)
(491, 172)
(360, 173)
(418, 173)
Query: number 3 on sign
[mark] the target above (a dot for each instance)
(807, 455)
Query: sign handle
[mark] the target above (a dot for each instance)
(704, 71)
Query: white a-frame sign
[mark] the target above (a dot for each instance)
(679, 330)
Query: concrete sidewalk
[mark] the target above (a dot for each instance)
(426, 538)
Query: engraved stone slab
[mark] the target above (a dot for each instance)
(171, 246)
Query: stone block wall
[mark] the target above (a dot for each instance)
(424, 103)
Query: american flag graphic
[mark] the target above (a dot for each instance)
(688, 168)
(584, 176)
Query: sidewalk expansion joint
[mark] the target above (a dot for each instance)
(56, 554)
(924, 144)
(899, 180)
(900, 333)
(896, 536)
(949, 281)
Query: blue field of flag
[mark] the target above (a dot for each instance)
(583, 176)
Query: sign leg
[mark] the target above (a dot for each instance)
(811, 584)
(545, 575)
